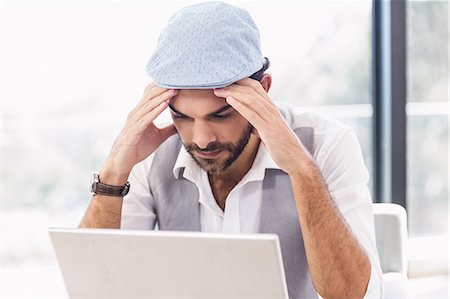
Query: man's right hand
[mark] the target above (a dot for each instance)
(139, 137)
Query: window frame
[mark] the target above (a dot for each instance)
(389, 100)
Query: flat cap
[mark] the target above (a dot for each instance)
(204, 46)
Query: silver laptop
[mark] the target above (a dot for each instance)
(99, 263)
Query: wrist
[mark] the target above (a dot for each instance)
(113, 179)
(113, 175)
(304, 169)
(110, 177)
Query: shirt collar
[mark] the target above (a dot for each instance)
(183, 164)
(187, 167)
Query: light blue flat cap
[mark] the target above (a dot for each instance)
(204, 46)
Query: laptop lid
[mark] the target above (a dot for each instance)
(150, 264)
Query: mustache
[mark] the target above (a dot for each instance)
(212, 147)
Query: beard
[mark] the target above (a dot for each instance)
(217, 165)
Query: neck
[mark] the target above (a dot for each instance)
(236, 171)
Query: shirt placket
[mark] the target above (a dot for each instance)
(209, 197)
(231, 219)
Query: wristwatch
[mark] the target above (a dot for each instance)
(109, 190)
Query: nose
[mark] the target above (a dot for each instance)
(203, 134)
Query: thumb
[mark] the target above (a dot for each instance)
(168, 131)
(255, 132)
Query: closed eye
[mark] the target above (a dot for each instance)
(215, 117)
(222, 116)
(179, 116)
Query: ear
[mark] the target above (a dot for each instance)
(266, 81)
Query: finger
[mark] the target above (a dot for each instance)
(165, 96)
(167, 131)
(255, 132)
(249, 90)
(268, 104)
(247, 97)
(151, 91)
(255, 120)
(147, 119)
(155, 102)
(149, 96)
(256, 85)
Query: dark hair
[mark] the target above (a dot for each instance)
(258, 75)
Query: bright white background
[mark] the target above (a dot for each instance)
(71, 71)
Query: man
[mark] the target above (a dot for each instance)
(234, 161)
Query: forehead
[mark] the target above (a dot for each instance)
(197, 102)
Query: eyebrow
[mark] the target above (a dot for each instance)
(220, 110)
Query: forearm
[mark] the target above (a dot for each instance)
(103, 212)
(339, 266)
(138, 139)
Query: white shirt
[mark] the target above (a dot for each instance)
(243, 203)
(338, 155)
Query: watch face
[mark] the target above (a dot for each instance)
(94, 183)
(95, 177)
(94, 187)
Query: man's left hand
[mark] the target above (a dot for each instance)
(250, 99)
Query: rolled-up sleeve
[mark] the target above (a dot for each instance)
(138, 210)
(343, 168)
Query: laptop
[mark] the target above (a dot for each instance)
(106, 263)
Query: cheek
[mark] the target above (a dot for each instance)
(235, 128)
(232, 130)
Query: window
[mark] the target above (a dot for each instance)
(427, 117)
(320, 60)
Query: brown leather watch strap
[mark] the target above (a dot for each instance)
(108, 190)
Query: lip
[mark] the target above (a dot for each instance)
(209, 155)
